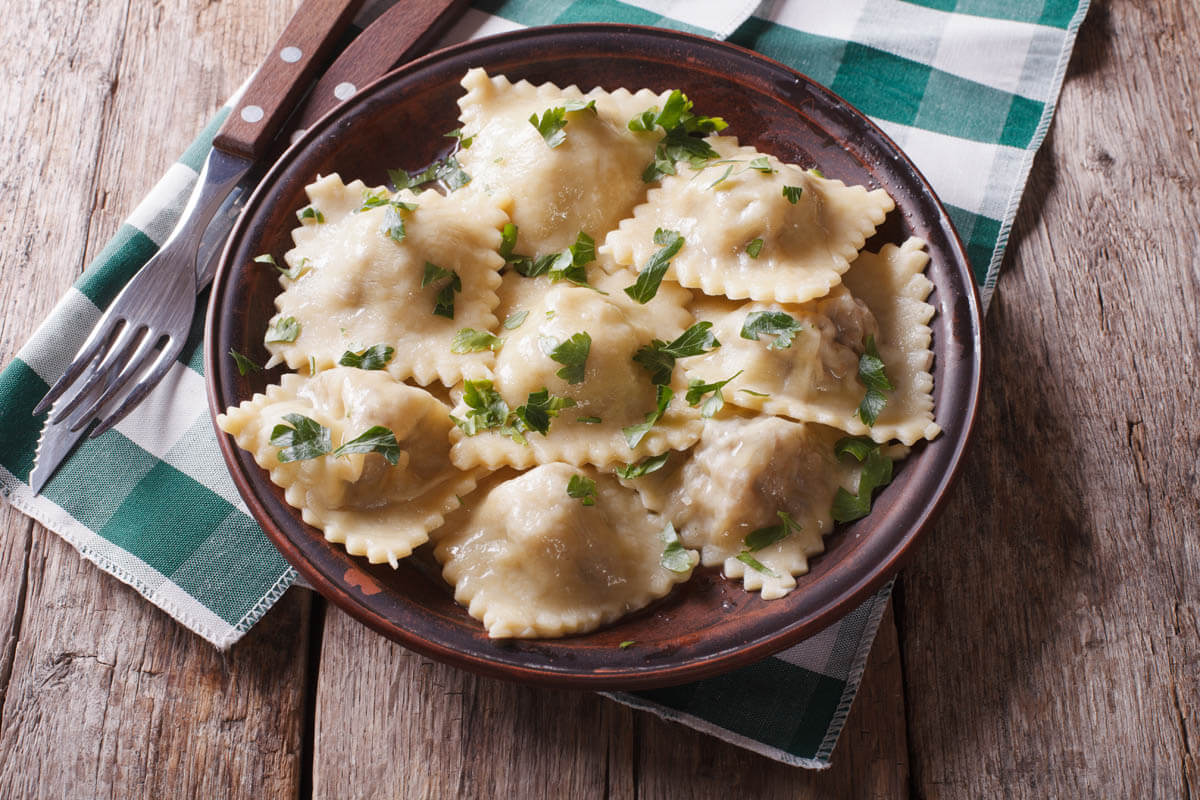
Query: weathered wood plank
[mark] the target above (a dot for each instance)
(103, 695)
(1049, 622)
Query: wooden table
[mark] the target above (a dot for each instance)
(1044, 640)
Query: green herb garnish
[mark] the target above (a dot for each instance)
(244, 365)
(675, 556)
(782, 326)
(763, 537)
(443, 304)
(514, 320)
(635, 433)
(871, 374)
(376, 356)
(754, 564)
(698, 388)
(393, 222)
(762, 165)
(650, 278)
(721, 179)
(683, 139)
(447, 170)
(652, 464)
(284, 329)
(589, 420)
(376, 439)
(792, 193)
(463, 141)
(540, 408)
(816, 172)
(627, 643)
(486, 410)
(583, 489)
(876, 472)
(310, 212)
(572, 353)
(553, 120)
(754, 248)
(754, 393)
(658, 357)
(469, 340)
(304, 439)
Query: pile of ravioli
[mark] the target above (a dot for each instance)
(537, 533)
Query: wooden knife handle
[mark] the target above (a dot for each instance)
(277, 86)
(403, 32)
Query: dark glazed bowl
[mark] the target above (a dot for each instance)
(708, 625)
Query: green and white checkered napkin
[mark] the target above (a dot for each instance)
(966, 87)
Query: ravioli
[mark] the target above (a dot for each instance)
(527, 559)
(745, 238)
(376, 509)
(587, 183)
(358, 286)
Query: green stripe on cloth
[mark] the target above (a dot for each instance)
(561, 12)
(74, 487)
(21, 389)
(978, 234)
(1055, 13)
(818, 57)
(117, 262)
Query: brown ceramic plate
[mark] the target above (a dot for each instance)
(708, 625)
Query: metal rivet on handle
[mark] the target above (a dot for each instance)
(290, 54)
(344, 91)
(252, 113)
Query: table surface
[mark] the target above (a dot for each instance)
(1044, 640)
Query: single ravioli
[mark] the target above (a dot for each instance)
(744, 236)
(809, 373)
(360, 280)
(588, 182)
(613, 392)
(528, 559)
(736, 480)
(377, 509)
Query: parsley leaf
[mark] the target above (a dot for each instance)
(553, 120)
(721, 179)
(443, 304)
(469, 340)
(244, 365)
(540, 408)
(782, 326)
(683, 135)
(447, 170)
(675, 556)
(872, 375)
(754, 564)
(792, 193)
(514, 320)
(816, 172)
(487, 411)
(652, 464)
(754, 393)
(876, 472)
(393, 223)
(310, 212)
(304, 439)
(572, 353)
(698, 388)
(293, 273)
(754, 248)
(463, 141)
(565, 265)
(589, 420)
(374, 357)
(635, 433)
(376, 439)
(658, 357)
(508, 240)
(650, 278)
(762, 165)
(284, 329)
(583, 489)
(763, 537)
(627, 643)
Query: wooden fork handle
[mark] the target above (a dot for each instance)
(306, 44)
(401, 33)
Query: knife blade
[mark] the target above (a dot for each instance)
(403, 32)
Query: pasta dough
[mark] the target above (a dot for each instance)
(527, 559)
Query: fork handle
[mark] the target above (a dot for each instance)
(282, 78)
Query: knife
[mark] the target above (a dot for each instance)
(257, 126)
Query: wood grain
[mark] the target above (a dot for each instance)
(1049, 622)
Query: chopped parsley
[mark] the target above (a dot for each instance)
(443, 304)
(675, 556)
(650, 278)
(244, 365)
(463, 141)
(754, 247)
(469, 340)
(310, 212)
(652, 464)
(871, 374)
(764, 537)
(658, 357)
(589, 420)
(293, 273)
(756, 565)
(565, 265)
(376, 356)
(782, 326)
(376, 439)
(514, 320)
(627, 643)
(721, 179)
(583, 489)
(754, 393)
(486, 410)
(792, 193)
(393, 222)
(762, 165)
(698, 388)
(283, 329)
(554, 120)
(540, 408)
(876, 472)
(816, 172)
(447, 170)
(683, 135)
(303, 438)
(635, 433)
(572, 354)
